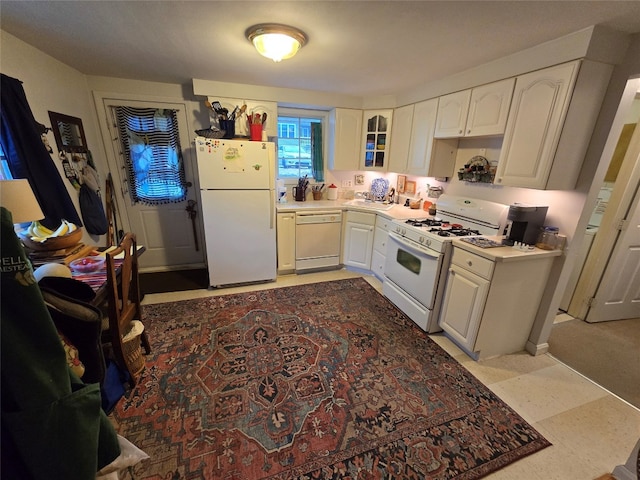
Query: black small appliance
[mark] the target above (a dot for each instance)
(523, 223)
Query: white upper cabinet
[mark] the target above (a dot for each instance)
(400, 139)
(538, 110)
(414, 151)
(428, 156)
(345, 137)
(481, 111)
(452, 114)
(376, 130)
(489, 108)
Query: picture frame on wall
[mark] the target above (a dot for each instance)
(401, 183)
(410, 187)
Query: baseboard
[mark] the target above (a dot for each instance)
(536, 349)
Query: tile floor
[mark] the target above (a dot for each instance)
(592, 430)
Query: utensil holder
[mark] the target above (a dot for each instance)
(299, 194)
(229, 127)
(256, 132)
(317, 195)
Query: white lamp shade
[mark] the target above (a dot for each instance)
(17, 197)
(277, 42)
(276, 46)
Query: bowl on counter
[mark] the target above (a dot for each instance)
(88, 264)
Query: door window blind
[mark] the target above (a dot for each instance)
(152, 154)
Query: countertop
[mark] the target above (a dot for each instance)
(398, 211)
(505, 254)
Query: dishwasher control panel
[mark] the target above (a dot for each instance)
(318, 217)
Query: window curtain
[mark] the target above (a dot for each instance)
(317, 165)
(28, 157)
(153, 156)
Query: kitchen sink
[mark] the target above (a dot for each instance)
(370, 204)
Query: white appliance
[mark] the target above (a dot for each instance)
(237, 192)
(419, 254)
(318, 239)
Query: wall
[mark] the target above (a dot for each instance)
(54, 86)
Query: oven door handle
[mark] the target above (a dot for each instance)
(424, 250)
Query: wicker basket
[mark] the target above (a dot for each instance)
(132, 350)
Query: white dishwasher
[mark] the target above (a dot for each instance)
(318, 239)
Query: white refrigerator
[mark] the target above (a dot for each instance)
(237, 192)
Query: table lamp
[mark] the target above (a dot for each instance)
(17, 197)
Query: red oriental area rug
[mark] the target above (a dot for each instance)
(319, 381)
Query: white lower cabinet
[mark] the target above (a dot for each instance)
(380, 238)
(358, 239)
(489, 305)
(465, 296)
(286, 239)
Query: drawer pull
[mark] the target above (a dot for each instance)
(470, 263)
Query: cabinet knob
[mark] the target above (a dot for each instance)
(469, 131)
(470, 263)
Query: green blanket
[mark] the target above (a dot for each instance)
(52, 423)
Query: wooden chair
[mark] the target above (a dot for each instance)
(123, 304)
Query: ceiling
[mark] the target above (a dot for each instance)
(363, 48)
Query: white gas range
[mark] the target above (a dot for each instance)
(419, 253)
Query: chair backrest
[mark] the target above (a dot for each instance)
(123, 292)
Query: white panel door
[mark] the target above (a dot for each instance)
(618, 295)
(171, 237)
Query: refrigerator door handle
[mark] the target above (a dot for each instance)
(272, 210)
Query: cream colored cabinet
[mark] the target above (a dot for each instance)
(345, 139)
(538, 110)
(380, 239)
(414, 150)
(490, 304)
(286, 240)
(489, 108)
(481, 111)
(253, 107)
(464, 300)
(452, 114)
(400, 139)
(358, 239)
(428, 156)
(376, 130)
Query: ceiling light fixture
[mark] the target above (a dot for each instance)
(274, 41)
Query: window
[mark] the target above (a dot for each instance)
(153, 156)
(297, 156)
(5, 173)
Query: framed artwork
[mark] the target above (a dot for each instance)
(410, 187)
(401, 183)
(359, 179)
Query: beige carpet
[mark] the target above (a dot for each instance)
(608, 353)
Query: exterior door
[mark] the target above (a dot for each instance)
(172, 239)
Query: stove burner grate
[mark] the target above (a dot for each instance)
(427, 222)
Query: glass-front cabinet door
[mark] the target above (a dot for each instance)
(376, 130)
